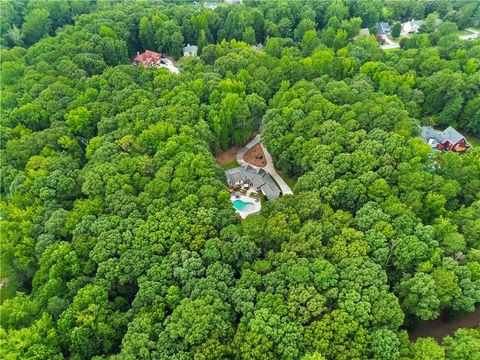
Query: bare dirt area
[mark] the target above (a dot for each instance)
(255, 156)
(4, 282)
(438, 329)
(227, 156)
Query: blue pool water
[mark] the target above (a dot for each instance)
(241, 205)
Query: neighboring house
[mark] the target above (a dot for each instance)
(190, 50)
(362, 32)
(233, 2)
(413, 26)
(148, 58)
(151, 58)
(210, 5)
(258, 178)
(383, 28)
(446, 140)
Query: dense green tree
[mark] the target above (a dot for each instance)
(37, 24)
(119, 238)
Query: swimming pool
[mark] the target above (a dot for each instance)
(241, 205)
(245, 205)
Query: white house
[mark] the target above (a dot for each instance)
(190, 50)
(413, 26)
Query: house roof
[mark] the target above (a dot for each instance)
(416, 23)
(190, 48)
(257, 176)
(148, 56)
(419, 23)
(451, 135)
(212, 5)
(383, 28)
(364, 31)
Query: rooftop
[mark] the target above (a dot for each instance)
(433, 137)
(259, 178)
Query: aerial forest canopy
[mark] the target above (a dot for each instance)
(118, 237)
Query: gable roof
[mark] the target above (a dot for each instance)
(148, 56)
(451, 135)
(190, 48)
(258, 177)
(383, 28)
(364, 31)
(212, 5)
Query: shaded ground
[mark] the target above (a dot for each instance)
(438, 329)
(255, 156)
(475, 141)
(227, 156)
(291, 181)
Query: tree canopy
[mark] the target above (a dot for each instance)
(118, 236)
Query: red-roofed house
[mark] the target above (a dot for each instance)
(148, 58)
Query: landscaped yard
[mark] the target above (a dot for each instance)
(230, 165)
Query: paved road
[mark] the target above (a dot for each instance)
(270, 168)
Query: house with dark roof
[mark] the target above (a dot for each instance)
(255, 177)
(446, 140)
(383, 28)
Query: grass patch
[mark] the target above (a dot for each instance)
(462, 32)
(230, 165)
(397, 39)
(475, 141)
(290, 181)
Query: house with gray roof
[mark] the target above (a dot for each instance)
(413, 26)
(212, 5)
(446, 140)
(256, 177)
(190, 50)
(383, 28)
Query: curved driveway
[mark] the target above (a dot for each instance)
(268, 167)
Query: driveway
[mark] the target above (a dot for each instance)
(390, 44)
(474, 34)
(270, 168)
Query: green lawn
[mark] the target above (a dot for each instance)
(475, 141)
(397, 40)
(230, 165)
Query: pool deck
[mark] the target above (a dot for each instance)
(244, 214)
